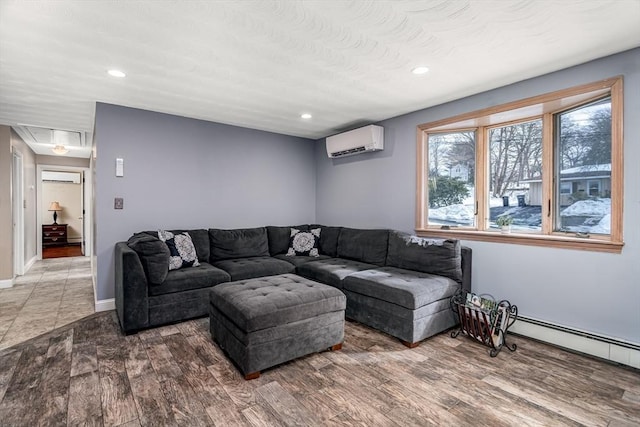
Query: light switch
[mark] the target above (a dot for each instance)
(119, 167)
(118, 203)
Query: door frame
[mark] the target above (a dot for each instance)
(17, 207)
(86, 195)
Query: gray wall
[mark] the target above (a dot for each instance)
(186, 173)
(596, 292)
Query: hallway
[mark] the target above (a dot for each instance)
(54, 292)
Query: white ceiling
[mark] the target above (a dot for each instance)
(260, 64)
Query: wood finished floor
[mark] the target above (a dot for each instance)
(87, 373)
(61, 251)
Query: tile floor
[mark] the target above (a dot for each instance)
(54, 292)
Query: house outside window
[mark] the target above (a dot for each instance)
(553, 163)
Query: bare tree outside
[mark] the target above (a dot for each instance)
(515, 155)
(585, 135)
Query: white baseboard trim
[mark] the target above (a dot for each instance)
(6, 283)
(623, 352)
(105, 304)
(29, 264)
(95, 290)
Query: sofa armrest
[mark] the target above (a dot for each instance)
(466, 268)
(132, 302)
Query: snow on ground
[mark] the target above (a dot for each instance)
(463, 213)
(454, 213)
(595, 212)
(604, 226)
(591, 207)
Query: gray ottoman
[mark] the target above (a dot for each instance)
(263, 322)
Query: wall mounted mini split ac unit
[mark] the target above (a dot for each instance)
(357, 141)
(66, 177)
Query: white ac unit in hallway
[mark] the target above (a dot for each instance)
(361, 140)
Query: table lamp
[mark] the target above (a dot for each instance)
(55, 207)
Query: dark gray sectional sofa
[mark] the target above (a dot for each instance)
(394, 282)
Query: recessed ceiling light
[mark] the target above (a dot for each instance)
(305, 116)
(420, 70)
(116, 73)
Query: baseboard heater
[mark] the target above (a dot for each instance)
(623, 352)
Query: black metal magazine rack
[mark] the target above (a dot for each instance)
(484, 320)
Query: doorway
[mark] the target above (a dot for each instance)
(63, 216)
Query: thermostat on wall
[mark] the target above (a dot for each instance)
(119, 167)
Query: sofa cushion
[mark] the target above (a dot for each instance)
(268, 302)
(154, 256)
(183, 253)
(199, 237)
(238, 243)
(328, 239)
(406, 288)
(299, 260)
(304, 243)
(368, 246)
(279, 238)
(332, 270)
(435, 256)
(247, 268)
(408, 325)
(184, 279)
(178, 306)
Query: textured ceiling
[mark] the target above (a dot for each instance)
(260, 64)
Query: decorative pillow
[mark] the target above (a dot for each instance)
(183, 253)
(304, 243)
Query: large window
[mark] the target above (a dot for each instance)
(452, 178)
(584, 152)
(551, 164)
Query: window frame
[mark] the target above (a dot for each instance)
(544, 107)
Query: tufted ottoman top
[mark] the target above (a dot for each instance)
(265, 302)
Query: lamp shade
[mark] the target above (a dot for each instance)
(55, 206)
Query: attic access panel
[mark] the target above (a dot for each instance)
(55, 136)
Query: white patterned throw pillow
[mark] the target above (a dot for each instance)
(304, 243)
(181, 249)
